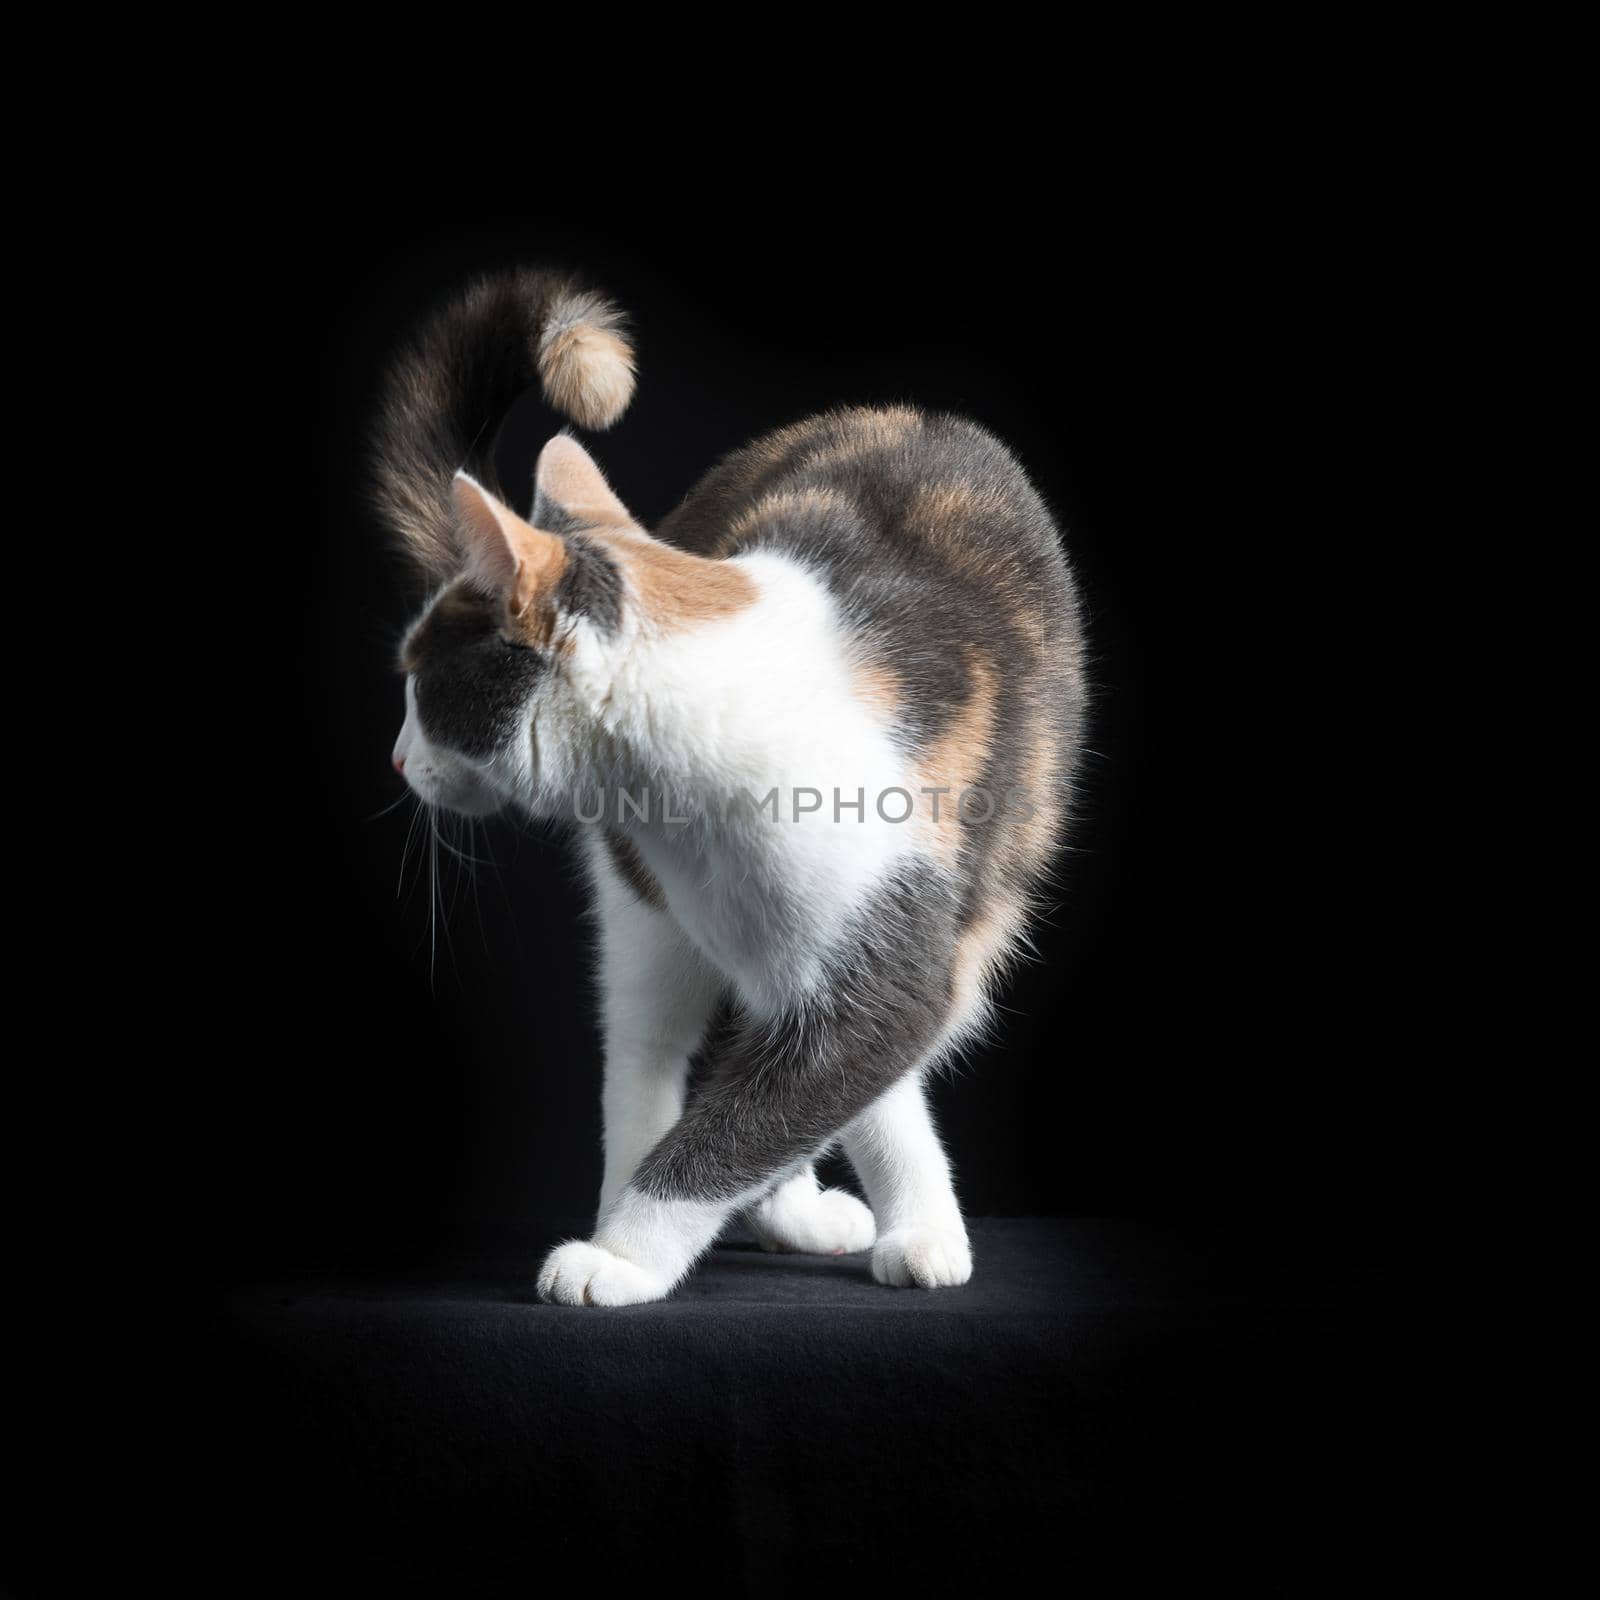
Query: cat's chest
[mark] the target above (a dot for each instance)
(769, 908)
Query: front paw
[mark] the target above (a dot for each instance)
(923, 1258)
(584, 1274)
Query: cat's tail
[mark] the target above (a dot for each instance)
(453, 384)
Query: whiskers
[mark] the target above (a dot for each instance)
(394, 805)
(444, 850)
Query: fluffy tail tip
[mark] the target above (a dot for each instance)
(585, 362)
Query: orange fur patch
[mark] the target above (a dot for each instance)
(879, 687)
(943, 515)
(958, 761)
(1027, 845)
(858, 433)
(788, 503)
(512, 559)
(981, 951)
(531, 615)
(942, 507)
(675, 589)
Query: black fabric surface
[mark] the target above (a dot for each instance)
(1147, 1392)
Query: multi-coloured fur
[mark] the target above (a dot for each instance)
(816, 735)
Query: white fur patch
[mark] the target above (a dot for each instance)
(801, 1218)
(658, 996)
(895, 1149)
(761, 700)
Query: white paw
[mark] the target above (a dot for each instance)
(583, 1274)
(831, 1222)
(923, 1258)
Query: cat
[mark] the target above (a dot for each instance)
(870, 607)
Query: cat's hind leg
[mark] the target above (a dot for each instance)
(895, 1149)
(800, 1217)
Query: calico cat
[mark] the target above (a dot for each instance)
(815, 734)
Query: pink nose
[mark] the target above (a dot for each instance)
(400, 764)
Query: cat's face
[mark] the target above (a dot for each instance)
(504, 657)
(471, 700)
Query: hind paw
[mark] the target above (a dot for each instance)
(923, 1258)
(802, 1220)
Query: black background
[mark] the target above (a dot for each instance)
(1210, 315)
(1159, 361)
(1203, 363)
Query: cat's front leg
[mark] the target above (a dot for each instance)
(658, 998)
(640, 1252)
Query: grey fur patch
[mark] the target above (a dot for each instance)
(774, 1093)
(591, 586)
(631, 869)
(473, 687)
(553, 518)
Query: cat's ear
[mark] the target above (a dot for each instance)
(504, 554)
(570, 492)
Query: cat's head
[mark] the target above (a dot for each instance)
(505, 662)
